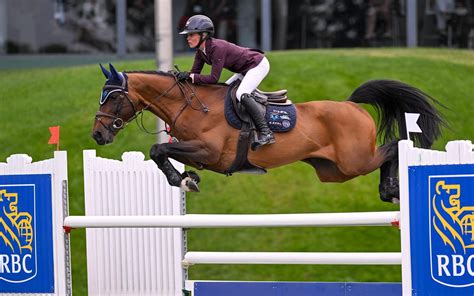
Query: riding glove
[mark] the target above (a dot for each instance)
(182, 76)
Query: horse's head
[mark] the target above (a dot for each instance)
(116, 107)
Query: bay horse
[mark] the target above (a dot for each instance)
(339, 139)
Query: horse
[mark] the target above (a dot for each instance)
(337, 138)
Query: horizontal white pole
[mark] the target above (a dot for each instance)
(222, 220)
(358, 258)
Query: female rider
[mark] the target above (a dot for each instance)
(249, 65)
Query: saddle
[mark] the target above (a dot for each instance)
(280, 114)
(279, 96)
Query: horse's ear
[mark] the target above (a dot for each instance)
(115, 74)
(105, 71)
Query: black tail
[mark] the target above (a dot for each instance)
(392, 99)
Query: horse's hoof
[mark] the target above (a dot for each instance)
(390, 192)
(192, 175)
(188, 184)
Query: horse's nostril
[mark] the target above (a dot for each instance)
(97, 136)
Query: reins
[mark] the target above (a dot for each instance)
(188, 100)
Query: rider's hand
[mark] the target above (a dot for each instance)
(182, 76)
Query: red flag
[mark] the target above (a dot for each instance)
(54, 139)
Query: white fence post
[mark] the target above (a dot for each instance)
(438, 164)
(132, 261)
(20, 172)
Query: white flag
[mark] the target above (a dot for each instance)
(412, 126)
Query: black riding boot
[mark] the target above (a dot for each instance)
(266, 135)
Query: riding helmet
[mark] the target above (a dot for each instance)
(198, 24)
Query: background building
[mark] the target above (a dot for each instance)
(89, 26)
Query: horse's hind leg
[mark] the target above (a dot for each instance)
(327, 170)
(389, 185)
(386, 159)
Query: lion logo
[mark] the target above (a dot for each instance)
(16, 229)
(452, 232)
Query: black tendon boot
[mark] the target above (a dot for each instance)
(266, 135)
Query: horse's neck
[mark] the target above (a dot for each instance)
(166, 100)
(157, 94)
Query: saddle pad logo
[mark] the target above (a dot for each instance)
(17, 234)
(452, 230)
(279, 119)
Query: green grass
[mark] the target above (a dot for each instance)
(34, 99)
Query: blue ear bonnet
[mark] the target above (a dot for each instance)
(116, 82)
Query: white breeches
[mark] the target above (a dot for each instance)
(252, 79)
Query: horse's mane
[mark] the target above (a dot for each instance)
(151, 72)
(169, 74)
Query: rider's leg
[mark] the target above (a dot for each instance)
(252, 78)
(236, 76)
(266, 135)
(249, 83)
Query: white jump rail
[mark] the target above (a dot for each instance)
(333, 258)
(232, 221)
(388, 218)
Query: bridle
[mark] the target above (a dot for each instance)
(119, 123)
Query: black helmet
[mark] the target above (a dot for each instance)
(198, 24)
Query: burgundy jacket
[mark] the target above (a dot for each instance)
(223, 54)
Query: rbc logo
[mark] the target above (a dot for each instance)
(452, 231)
(26, 234)
(17, 235)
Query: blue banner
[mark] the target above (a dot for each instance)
(26, 238)
(442, 229)
(296, 289)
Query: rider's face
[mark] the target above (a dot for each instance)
(193, 39)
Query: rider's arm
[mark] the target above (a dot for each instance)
(213, 78)
(197, 65)
(217, 55)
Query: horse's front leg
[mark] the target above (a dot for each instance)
(192, 151)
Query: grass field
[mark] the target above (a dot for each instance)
(34, 99)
